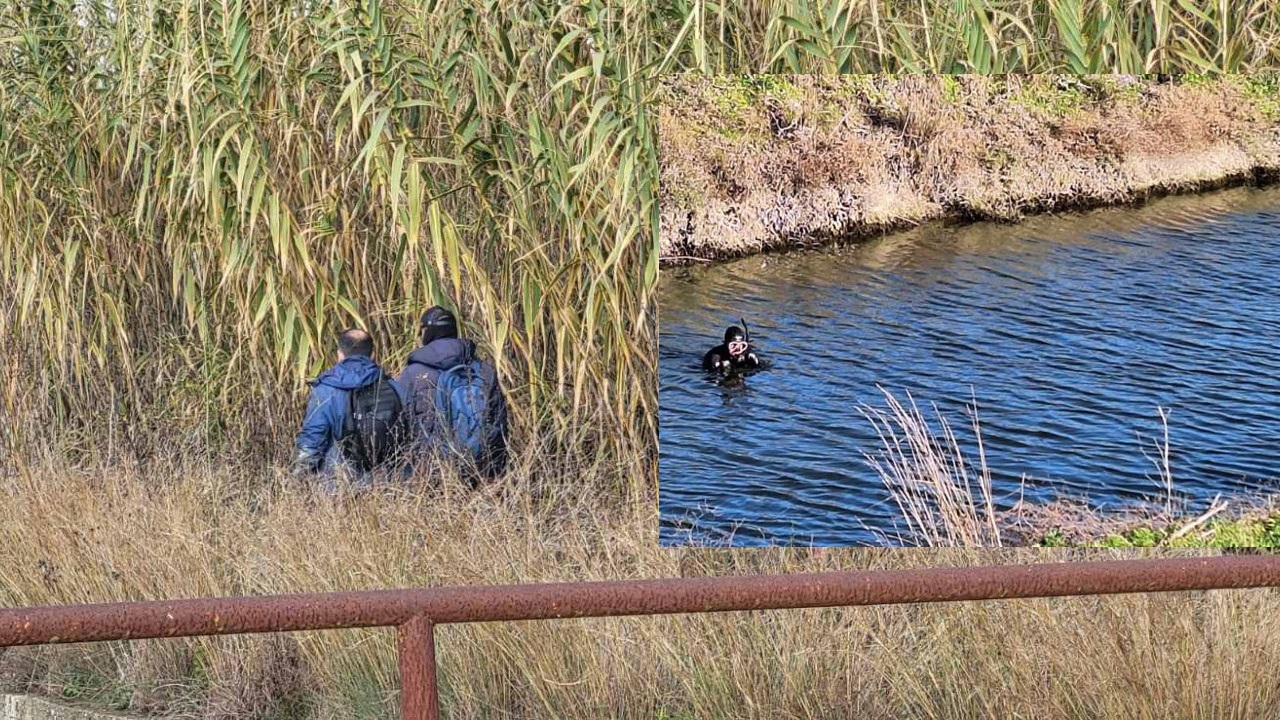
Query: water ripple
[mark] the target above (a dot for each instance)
(1068, 332)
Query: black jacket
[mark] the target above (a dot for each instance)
(419, 381)
(719, 354)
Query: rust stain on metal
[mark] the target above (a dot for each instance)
(287, 613)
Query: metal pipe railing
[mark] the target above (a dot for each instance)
(417, 612)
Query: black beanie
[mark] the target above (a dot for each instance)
(438, 323)
(734, 332)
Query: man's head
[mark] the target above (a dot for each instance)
(354, 342)
(736, 341)
(437, 323)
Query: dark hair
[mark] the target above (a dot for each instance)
(355, 341)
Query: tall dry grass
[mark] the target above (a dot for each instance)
(945, 498)
(943, 490)
(197, 195)
(113, 533)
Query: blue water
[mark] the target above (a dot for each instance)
(1067, 334)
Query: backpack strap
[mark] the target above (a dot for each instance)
(355, 428)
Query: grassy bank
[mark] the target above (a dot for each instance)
(1261, 532)
(757, 163)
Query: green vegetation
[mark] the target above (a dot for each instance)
(1225, 534)
(1263, 88)
(1257, 533)
(972, 36)
(1055, 100)
(950, 88)
(84, 686)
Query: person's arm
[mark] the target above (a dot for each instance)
(407, 428)
(496, 412)
(497, 450)
(314, 439)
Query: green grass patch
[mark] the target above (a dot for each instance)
(85, 686)
(1264, 533)
(1056, 99)
(1263, 89)
(950, 88)
(739, 99)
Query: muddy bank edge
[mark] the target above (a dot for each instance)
(750, 164)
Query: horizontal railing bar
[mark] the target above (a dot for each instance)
(376, 608)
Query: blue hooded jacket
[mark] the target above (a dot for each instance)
(317, 447)
(419, 380)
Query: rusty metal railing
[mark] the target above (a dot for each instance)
(416, 612)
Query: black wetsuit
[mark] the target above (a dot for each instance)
(718, 354)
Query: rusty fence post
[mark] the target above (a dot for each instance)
(419, 699)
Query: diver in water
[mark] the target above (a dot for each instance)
(734, 354)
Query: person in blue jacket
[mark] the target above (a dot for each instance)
(329, 433)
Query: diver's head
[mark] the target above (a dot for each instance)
(736, 341)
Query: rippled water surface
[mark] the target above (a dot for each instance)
(1068, 332)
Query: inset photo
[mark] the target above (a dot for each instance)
(967, 310)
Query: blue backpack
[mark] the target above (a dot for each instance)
(461, 401)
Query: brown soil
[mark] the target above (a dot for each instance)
(777, 162)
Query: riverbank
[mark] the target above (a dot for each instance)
(751, 164)
(946, 498)
(1242, 522)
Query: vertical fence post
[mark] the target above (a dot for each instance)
(418, 697)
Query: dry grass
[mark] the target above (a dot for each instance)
(946, 498)
(113, 533)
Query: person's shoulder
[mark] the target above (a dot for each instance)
(324, 395)
(411, 370)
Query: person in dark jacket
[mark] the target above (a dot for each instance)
(318, 445)
(733, 354)
(441, 350)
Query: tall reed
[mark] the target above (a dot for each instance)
(980, 36)
(198, 194)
